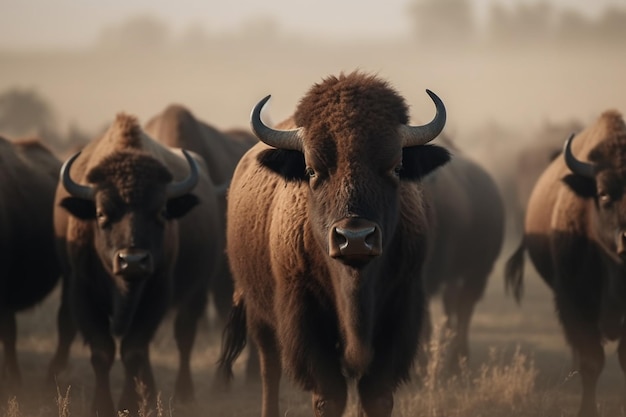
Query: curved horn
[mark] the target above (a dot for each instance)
(182, 187)
(281, 139)
(76, 190)
(420, 135)
(578, 167)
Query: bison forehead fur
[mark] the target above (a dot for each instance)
(352, 102)
(130, 173)
(611, 153)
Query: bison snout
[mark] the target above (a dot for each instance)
(355, 239)
(133, 262)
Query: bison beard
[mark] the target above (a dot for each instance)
(326, 236)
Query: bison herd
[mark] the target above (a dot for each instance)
(320, 241)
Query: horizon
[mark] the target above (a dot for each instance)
(40, 24)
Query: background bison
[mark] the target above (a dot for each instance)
(467, 237)
(135, 221)
(30, 270)
(221, 151)
(575, 234)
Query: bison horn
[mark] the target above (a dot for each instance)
(420, 135)
(578, 167)
(182, 187)
(75, 189)
(281, 139)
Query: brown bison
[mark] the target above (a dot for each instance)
(28, 178)
(467, 239)
(534, 158)
(135, 222)
(327, 233)
(221, 151)
(575, 234)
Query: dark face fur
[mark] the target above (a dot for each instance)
(130, 215)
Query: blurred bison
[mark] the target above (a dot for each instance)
(575, 234)
(30, 269)
(135, 222)
(327, 230)
(533, 158)
(467, 239)
(221, 151)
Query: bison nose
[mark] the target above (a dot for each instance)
(355, 240)
(133, 262)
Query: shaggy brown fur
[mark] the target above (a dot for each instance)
(575, 234)
(323, 317)
(129, 215)
(27, 187)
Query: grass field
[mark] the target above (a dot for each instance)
(519, 367)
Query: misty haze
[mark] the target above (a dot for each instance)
(527, 72)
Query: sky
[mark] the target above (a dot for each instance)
(78, 23)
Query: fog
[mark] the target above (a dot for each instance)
(503, 74)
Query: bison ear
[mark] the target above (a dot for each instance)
(419, 161)
(581, 186)
(79, 207)
(287, 163)
(179, 206)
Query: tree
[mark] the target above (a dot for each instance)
(524, 23)
(138, 33)
(25, 112)
(443, 20)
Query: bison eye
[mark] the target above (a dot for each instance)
(102, 218)
(397, 170)
(310, 172)
(604, 198)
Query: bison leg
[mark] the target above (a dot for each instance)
(8, 334)
(67, 332)
(375, 399)
(139, 389)
(330, 393)
(460, 299)
(621, 352)
(102, 357)
(185, 328)
(270, 365)
(376, 387)
(585, 340)
(252, 365)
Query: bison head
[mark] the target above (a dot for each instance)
(603, 179)
(131, 202)
(353, 147)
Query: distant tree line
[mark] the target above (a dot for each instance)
(454, 21)
(434, 21)
(24, 112)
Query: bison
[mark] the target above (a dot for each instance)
(221, 151)
(575, 234)
(467, 239)
(135, 222)
(327, 231)
(28, 179)
(532, 159)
